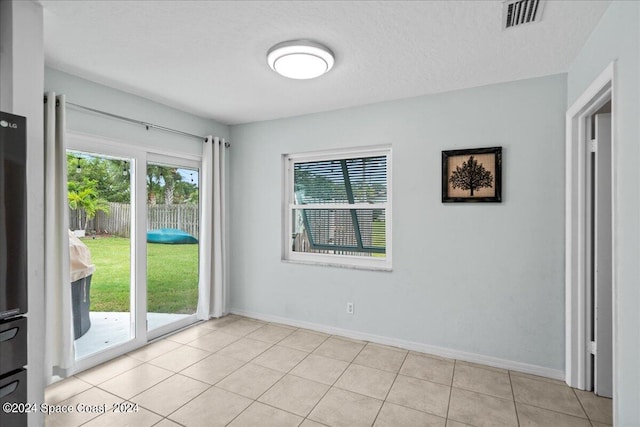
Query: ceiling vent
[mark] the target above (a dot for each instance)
(519, 12)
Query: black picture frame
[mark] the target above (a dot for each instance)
(472, 175)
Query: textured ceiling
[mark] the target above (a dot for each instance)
(209, 58)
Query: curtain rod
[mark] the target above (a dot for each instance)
(138, 122)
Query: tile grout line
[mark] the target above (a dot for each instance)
(275, 407)
(392, 384)
(330, 385)
(104, 363)
(97, 386)
(171, 421)
(209, 331)
(200, 348)
(538, 378)
(289, 371)
(345, 370)
(554, 410)
(162, 417)
(484, 394)
(272, 385)
(397, 375)
(513, 394)
(111, 393)
(209, 385)
(73, 395)
(586, 415)
(125, 400)
(180, 407)
(155, 384)
(451, 390)
(175, 349)
(304, 330)
(245, 364)
(285, 374)
(89, 420)
(581, 405)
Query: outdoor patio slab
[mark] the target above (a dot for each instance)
(113, 328)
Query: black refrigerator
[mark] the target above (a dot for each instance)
(13, 268)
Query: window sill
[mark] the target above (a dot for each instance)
(339, 265)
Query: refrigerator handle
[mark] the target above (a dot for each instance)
(8, 334)
(9, 388)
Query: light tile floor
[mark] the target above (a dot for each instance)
(237, 371)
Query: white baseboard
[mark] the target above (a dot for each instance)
(511, 365)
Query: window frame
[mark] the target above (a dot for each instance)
(288, 206)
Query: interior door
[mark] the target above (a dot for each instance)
(603, 366)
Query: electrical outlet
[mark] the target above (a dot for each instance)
(349, 308)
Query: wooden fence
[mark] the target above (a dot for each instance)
(334, 227)
(118, 221)
(183, 217)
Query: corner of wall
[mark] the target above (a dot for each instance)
(22, 84)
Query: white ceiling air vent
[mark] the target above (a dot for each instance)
(518, 12)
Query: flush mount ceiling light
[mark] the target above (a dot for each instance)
(300, 59)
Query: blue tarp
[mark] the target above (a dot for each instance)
(170, 236)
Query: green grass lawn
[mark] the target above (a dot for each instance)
(379, 237)
(172, 276)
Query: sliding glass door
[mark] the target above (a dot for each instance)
(100, 243)
(134, 240)
(173, 233)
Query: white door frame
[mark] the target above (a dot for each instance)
(180, 161)
(138, 338)
(596, 95)
(140, 156)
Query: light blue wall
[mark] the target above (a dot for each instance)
(617, 38)
(97, 96)
(484, 278)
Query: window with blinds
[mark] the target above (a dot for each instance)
(338, 208)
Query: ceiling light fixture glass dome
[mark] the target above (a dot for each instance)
(300, 59)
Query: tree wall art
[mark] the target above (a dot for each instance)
(472, 175)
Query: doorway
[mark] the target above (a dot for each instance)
(139, 289)
(100, 217)
(590, 255)
(599, 254)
